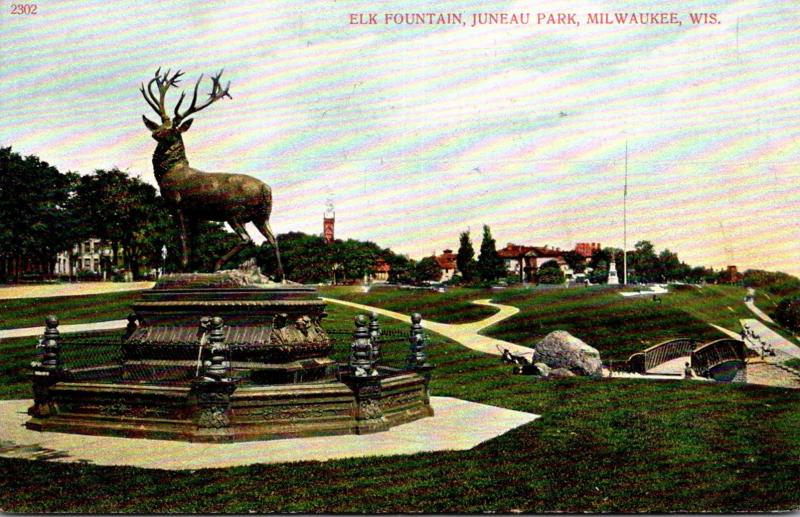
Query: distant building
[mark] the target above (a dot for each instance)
(587, 249)
(525, 261)
(327, 227)
(516, 260)
(731, 275)
(88, 257)
(447, 263)
(380, 271)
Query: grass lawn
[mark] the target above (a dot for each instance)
(452, 306)
(31, 312)
(600, 446)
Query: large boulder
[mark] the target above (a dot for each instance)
(561, 349)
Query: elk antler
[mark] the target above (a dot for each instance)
(217, 93)
(163, 82)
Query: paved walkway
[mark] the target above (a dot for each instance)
(758, 312)
(767, 374)
(456, 425)
(656, 289)
(64, 329)
(727, 332)
(465, 334)
(70, 289)
(784, 348)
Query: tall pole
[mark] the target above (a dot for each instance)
(625, 222)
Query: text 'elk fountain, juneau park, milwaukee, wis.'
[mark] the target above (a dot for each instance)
(230, 355)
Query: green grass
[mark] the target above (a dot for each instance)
(600, 446)
(31, 312)
(452, 306)
(793, 363)
(614, 325)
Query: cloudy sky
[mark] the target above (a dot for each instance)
(420, 132)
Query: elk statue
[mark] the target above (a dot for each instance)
(194, 195)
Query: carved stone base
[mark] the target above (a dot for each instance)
(206, 413)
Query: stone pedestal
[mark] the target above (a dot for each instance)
(208, 358)
(368, 413)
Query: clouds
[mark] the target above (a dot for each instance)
(397, 120)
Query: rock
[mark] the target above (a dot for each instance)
(560, 349)
(560, 373)
(543, 369)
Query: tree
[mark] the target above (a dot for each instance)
(575, 261)
(599, 273)
(645, 263)
(401, 267)
(788, 313)
(35, 220)
(119, 208)
(490, 265)
(428, 269)
(465, 258)
(550, 273)
(669, 266)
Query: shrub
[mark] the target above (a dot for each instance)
(788, 313)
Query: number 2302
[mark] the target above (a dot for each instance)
(24, 8)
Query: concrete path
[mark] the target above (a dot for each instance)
(465, 334)
(784, 348)
(656, 289)
(64, 329)
(674, 366)
(456, 425)
(729, 333)
(768, 374)
(758, 312)
(71, 289)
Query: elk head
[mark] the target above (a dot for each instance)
(169, 130)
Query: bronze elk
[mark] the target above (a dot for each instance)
(194, 195)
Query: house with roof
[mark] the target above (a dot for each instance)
(380, 272)
(525, 261)
(447, 263)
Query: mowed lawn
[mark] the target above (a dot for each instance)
(31, 312)
(617, 326)
(452, 306)
(600, 446)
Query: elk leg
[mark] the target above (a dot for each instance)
(266, 231)
(242, 233)
(184, 245)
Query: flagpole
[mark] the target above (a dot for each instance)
(625, 222)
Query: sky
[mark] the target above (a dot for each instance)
(420, 132)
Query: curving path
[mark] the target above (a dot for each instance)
(465, 334)
(70, 289)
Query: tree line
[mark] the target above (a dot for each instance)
(44, 212)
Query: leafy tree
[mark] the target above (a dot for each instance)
(490, 265)
(599, 273)
(120, 209)
(465, 258)
(788, 313)
(669, 266)
(645, 263)
(428, 269)
(550, 273)
(35, 220)
(401, 267)
(575, 261)
(773, 281)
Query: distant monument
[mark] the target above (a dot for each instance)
(613, 279)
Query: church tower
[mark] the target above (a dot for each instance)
(328, 220)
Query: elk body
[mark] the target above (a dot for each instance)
(194, 195)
